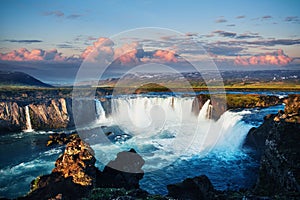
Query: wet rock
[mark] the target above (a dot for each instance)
(292, 104)
(123, 172)
(12, 117)
(73, 177)
(277, 141)
(221, 103)
(61, 138)
(195, 188)
(53, 114)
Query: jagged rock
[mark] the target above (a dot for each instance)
(61, 138)
(221, 103)
(73, 177)
(51, 115)
(12, 117)
(292, 104)
(123, 172)
(277, 141)
(77, 162)
(75, 174)
(197, 188)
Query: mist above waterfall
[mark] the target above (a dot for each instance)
(164, 129)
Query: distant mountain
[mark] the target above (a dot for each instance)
(20, 79)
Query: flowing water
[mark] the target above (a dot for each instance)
(28, 121)
(174, 143)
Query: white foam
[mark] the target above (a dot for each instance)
(148, 118)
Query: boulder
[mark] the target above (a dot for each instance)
(123, 172)
(61, 138)
(197, 188)
(73, 177)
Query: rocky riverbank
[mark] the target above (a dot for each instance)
(222, 103)
(58, 112)
(277, 142)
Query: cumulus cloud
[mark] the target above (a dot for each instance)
(24, 54)
(127, 53)
(102, 50)
(167, 56)
(275, 58)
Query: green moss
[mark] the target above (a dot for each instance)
(106, 193)
(35, 183)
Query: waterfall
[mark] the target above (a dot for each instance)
(28, 121)
(166, 128)
(147, 113)
(100, 113)
(205, 111)
(209, 112)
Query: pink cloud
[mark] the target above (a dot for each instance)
(166, 55)
(24, 54)
(102, 50)
(275, 58)
(127, 53)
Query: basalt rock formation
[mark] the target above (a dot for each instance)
(12, 117)
(123, 172)
(195, 188)
(51, 114)
(73, 177)
(277, 141)
(222, 103)
(75, 174)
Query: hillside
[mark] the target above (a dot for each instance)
(20, 79)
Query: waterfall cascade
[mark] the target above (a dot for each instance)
(205, 111)
(167, 128)
(100, 113)
(28, 120)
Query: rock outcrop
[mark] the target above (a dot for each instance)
(195, 188)
(61, 138)
(75, 174)
(123, 172)
(277, 141)
(12, 117)
(47, 115)
(73, 177)
(221, 103)
(51, 115)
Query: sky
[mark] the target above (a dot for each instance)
(235, 34)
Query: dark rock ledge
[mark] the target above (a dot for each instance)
(276, 142)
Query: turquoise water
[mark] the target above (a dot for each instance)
(24, 156)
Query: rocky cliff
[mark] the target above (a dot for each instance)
(277, 141)
(221, 103)
(12, 117)
(51, 114)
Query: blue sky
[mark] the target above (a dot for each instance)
(228, 28)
